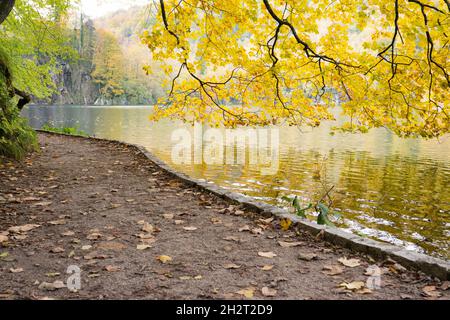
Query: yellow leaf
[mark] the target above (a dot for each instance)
(356, 285)
(285, 224)
(164, 259)
(248, 293)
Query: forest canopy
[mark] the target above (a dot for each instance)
(246, 62)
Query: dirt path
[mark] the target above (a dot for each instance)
(96, 202)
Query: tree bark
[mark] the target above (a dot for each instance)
(5, 8)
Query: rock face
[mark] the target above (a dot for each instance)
(107, 69)
(75, 86)
(75, 83)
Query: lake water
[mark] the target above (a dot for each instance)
(387, 188)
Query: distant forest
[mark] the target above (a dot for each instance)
(100, 73)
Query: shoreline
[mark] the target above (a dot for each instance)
(129, 229)
(430, 265)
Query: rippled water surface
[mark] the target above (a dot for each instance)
(391, 189)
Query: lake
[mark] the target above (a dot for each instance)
(387, 188)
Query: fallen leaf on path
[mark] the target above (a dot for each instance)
(143, 246)
(111, 245)
(267, 292)
(147, 227)
(351, 263)
(216, 221)
(68, 234)
(269, 255)
(53, 274)
(285, 224)
(231, 266)
(248, 293)
(332, 270)
(257, 231)
(57, 222)
(94, 236)
(3, 238)
(320, 235)
(86, 247)
(430, 291)
(24, 228)
(356, 285)
(112, 268)
(31, 199)
(364, 291)
(231, 238)
(52, 286)
(57, 250)
(266, 221)
(266, 268)
(168, 216)
(198, 278)
(178, 222)
(397, 268)
(18, 270)
(190, 228)
(285, 244)
(406, 297)
(164, 259)
(20, 236)
(244, 228)
(95, 255)
(94, 275)
(42, 204)
(308, 256)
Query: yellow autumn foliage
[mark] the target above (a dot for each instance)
(247, 62)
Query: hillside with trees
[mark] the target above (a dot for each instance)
(102, 74)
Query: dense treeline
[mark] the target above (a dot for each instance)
(51, 54)
(31, 43)
(102, 74)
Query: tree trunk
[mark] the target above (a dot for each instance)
(5, 8)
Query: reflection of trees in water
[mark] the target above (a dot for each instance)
(397, 189)
(373, 169)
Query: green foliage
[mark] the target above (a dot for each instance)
(323, 210)
(16, 136)
(35, 37)
(65, 130)
(32, 39)
(118, 81)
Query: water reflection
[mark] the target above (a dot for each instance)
(392, 189)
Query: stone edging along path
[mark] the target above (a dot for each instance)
(432, 266)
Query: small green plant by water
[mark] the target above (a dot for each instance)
(324, 210)
(65, 130)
